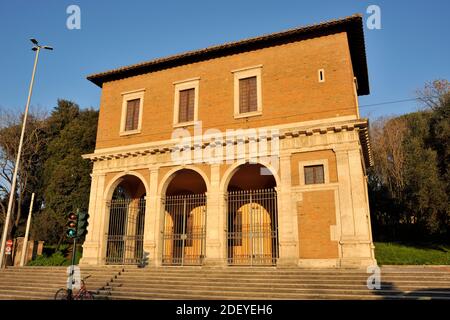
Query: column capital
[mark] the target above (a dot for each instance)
(95, 174)
(345, 147)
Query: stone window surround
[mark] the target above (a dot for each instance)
(192, 83)
(254, 71)
(301, 171)
(321, 75)
(127, 96)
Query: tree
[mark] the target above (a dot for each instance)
(66, 175)
(409, 183)
(31, 157)
(51, 166)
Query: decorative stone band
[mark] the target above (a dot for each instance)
(280, 132)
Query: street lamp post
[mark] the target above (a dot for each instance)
(36, 48)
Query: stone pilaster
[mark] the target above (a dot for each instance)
(355, 242)
(152, 220)
(287, 217)
(93, 242)
(215, 234)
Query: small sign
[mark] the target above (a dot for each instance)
(8, 247)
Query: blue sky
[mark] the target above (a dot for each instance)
(411, 48)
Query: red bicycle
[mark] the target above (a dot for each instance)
(82, 294)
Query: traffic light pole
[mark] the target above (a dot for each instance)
(71, 272)
(74, 250)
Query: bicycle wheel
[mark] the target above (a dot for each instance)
(61, 294)
(86, 295)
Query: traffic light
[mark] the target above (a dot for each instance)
(82, 223)
(72, 221)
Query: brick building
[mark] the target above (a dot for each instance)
(248, 153)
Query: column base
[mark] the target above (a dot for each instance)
(88, 261)
(90, 255)
(357, 263)
(357, 253)
(319, 263)
(288, 254)
(214, 263)
(150, 250)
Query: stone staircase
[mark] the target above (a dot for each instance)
(43, 282)
(230, 283)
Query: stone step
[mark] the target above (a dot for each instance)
(273, 271)
(93, 285)
(224, 278)
(239, 296)
(244, 290)
(315, 284)
(273, 277)
(50, 280)
(227, 283)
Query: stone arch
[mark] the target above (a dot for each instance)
(169, 176)
(251, 214)
(229, 173)
(117, 179)
(183, 216)
(125, 218)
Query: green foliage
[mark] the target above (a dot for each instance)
(397, 253)
(409, 184)
(56, 259)
(54, 255)
(70, 133)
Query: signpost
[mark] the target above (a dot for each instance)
(8, 247)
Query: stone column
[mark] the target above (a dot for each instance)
(152, 220)
(92, 247)
(356, 244)
(287, 216)
(132, 213)
(215, 234)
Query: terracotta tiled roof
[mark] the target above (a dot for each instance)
(353, 25)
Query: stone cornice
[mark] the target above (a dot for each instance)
(282, 132)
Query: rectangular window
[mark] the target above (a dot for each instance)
(248, 101)
(247, 92)
(132, 109)
(132, 115)
(314, 174)
(321, 75)
(186, 105)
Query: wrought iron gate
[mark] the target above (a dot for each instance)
(125, 231)
(252, 227)
(184, 229)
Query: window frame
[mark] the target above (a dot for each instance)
(318, 162)
(128, 96)
(187, 84)
(248, 72)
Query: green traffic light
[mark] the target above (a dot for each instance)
(72, 225)
(71, 233)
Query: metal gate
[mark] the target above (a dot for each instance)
(252, 227)
(184, 229)
(125, 231)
